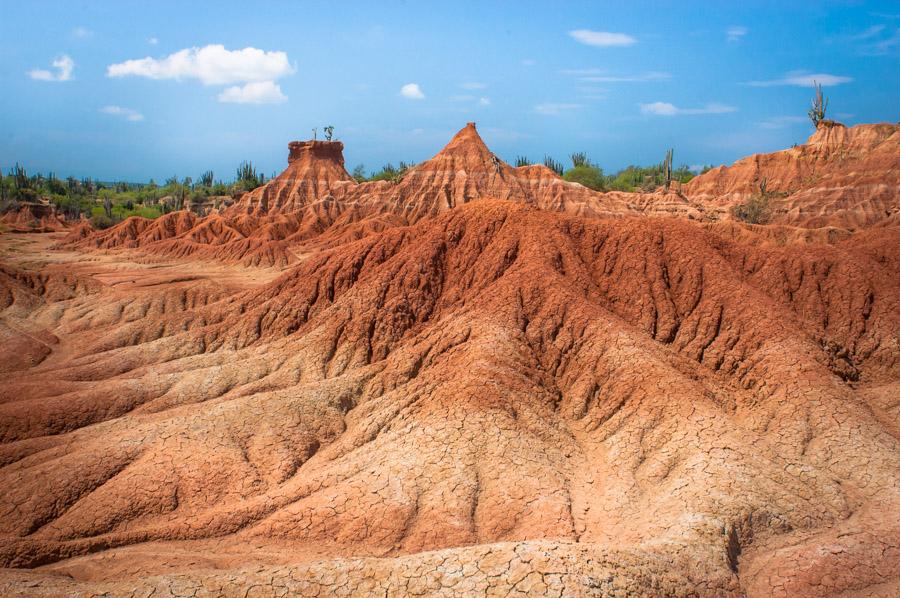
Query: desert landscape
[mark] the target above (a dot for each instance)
(457, 377)
(479, 378)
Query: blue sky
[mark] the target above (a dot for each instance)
(133, 90)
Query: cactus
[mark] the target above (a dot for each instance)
(522, 161)
(579, 159)
(21, 177)
(553, 165)
(819, 106)
(667, 167)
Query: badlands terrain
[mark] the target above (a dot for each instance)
(477, 380)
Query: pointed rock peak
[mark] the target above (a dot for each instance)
(467, 140)
(331, 151)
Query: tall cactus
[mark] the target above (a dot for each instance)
(667, 167)
(819, 106)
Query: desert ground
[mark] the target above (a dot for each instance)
(479, 379)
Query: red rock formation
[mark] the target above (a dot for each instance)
(315, 171)
(33, 217)
(466, 170)
(499, 397)
(844, 177)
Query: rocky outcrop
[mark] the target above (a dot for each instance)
(33, 217)
(843, 176)
(315, 171)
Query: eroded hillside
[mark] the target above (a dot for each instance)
(477, 379)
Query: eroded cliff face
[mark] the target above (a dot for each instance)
(33, 217)
(447, 392)
(843, 178)
(315, 171)
(847, 177)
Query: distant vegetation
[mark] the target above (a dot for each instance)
(631, 178)
(388, 172)
(107, 203)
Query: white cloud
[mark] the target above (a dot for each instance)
(82, 33)
(126, 113)
(601, 38)
(736, 33)
(884, 46)
(598, 76)
(258, 92)
(871, 32)
(64, 66)
(659, 109)
(552, 109)
(483, 101)
(412, 91)
(212, 65)
(667, 109)
(802, 79)
(781, 122)
(473, 85)
(152, 41)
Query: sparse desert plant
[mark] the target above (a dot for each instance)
(819, 106)
(579, 159)
(359, 173)
(553, 165)
(206, 179)
(756, 210)
(522, 161)
(388, 172)
(391, 173)
(247, 178)
(667, 167)
(329, 132)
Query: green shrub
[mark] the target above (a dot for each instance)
(589, 175)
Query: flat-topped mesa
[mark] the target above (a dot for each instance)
(315, 172)
(316, 150)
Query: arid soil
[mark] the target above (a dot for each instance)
(476, 380)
